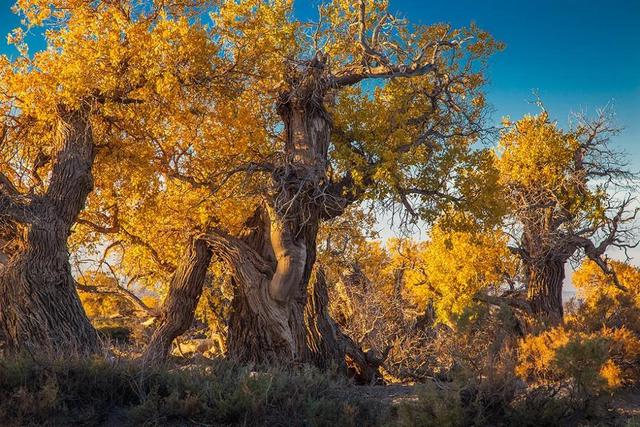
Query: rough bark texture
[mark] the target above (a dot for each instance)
(544, 290)
(179, 306)
(272, 259)
(284, 236)
(324, 338)
(39, 305)
(328, 346)
(253, 308)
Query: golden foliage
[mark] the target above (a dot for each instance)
(597, 361)
(456, 267)
(102, 305)
(541, 172)
(603, 303)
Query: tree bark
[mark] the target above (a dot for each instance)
(178, 308)
(272, 259)
(259, 325)
(544, 290)
(328, 346)
(284, 235)
(39, 305)
(324, 338)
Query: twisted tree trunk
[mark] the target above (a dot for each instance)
(272, 260)
(268, 316)
(544, 290)
(180, 304)
(39, 305)
(259, 326)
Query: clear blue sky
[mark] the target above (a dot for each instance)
(578, 54)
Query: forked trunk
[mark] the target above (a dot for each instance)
(544, 291)
(39, 305)
(179, 306)
(271, 261)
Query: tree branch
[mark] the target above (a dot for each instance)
(12, 203)
(117, 289)
(384, 68)
(503, 300)
(240, 257)
(165, 265)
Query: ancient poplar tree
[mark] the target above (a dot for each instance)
(566, 195)
(562, 195)
(108, 69)
(333, 142)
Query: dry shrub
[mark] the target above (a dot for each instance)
(436, 406)
(76, 391)
(613, 311)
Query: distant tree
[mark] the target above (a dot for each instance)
(458, 269)
(560, 194)
(563, 190)
(102, 296)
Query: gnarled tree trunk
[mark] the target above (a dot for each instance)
(259, 326)
(268, 316)
(272, 259)
(180, 304)
(39, 305)
(544, 290)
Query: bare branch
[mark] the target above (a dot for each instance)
(376, 63)
(119, 290)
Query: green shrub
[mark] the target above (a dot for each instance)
(89, 392)
(434, 407)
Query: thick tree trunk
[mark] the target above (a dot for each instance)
(259, 325)
(285, 237)
(179, 306)
(273, 258)
(544, 291)
(39, 305)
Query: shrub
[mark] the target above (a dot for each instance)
(93, 391)
(434, 407)
(593, 362)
